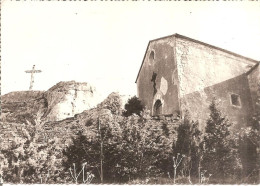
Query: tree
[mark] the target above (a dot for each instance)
(249, 147)
(81, 150)
(220, 157)
(29, 161)
(249, 143)
(113, 103)
(97, 147)
(133, 105)
(146, 147)
(132, 147)
(187, 144)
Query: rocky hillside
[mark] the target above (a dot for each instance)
(61, 101)
(37, 115)
(23, 107)
(66, 99)
(58, 113)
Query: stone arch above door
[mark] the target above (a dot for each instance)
(158, 102)
(157, 108)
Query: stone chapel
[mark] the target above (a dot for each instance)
(179, 73)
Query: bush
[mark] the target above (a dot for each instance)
(133, 106)
(187, 144)
(113, 103)
(133, 147)
(249, 148)
(220, 155)
(146, 148)
(249, 143)
(87, 149)
(28, 161)
(81, 150)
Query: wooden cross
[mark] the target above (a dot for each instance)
(32, 77)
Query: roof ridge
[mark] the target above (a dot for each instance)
(196, 41)
(215, 47)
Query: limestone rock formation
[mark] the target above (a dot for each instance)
(42, 113)
(66, 99)
(61, 101)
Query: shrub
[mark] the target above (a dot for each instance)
(101, 145)
(145, 147)
(133, 106)
(28, 161)
(249, 147)
(113, 103)
(80, 151)
(220, 156)
(249, 143)
(187, 144)
(133, 147)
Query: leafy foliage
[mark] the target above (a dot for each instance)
(88, 149)
(249, 143)
(133, 106)
(113, 103)
(220, 156)
(133, 147)
(28, 161)
(146, 147)
(187, 144)
(82, 150)
(249, 147)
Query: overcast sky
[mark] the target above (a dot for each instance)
(103, 43)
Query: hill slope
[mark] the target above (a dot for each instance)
(63, 100)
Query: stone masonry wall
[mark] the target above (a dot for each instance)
(254, 85)
(197, 103)
(204, 73)
(158, 77)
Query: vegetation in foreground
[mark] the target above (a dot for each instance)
(115, 146)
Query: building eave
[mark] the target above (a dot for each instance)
(142, 61)
(217, 48)
(253, 68)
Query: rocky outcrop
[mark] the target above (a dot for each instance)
(21, 96)
(66, 99)
(61, 101)
(23, 107)
(25, 115)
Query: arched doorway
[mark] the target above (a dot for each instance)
(157, 108)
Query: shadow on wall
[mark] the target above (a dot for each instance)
(233, 97)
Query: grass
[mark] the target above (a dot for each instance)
(160, 181)
(182, 180)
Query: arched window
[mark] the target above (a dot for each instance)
(151, 57)
(157, 108)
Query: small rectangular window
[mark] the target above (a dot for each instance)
(235, 100)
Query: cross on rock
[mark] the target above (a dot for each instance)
(32, 77)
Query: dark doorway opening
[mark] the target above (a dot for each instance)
(157, 108)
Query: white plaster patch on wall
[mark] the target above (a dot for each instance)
(157, 96)
(164, 86)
